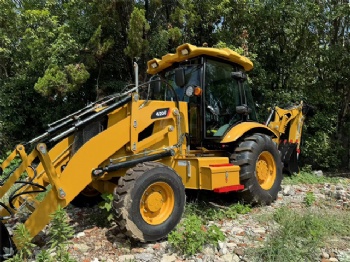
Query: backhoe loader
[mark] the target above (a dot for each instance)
(191, 126)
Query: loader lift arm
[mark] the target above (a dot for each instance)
(63, 176)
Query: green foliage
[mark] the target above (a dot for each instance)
(309, 199)
(60, 233)
(210, 212)
(137, 44)
(307, 177)
(44, 256)
(13, 164)
(72, 52)
(23, 242)
(190, 235)
(16, 258)
(107, 206)
(298, 236)
(324, 152)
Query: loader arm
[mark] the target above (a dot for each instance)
(137, 131)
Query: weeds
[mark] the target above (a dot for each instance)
(107, 206)
(59, 233)
(24, 244)
(298, 237)
(309, 199)
(307, 177)
(210, 212)
(191, 235)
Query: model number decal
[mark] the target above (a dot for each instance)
(159, 113)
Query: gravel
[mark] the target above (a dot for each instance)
(95, 242)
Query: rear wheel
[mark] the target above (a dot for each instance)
(261, 169)
(149, 201)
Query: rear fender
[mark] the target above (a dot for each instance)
(241, 129)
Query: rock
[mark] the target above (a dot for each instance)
(259, 230)
(318, 173)
(325, 255)
(126, 258)
(230, 258)
(144, 257)
(81, 247)
(239, 251)
(221, 244)
(80, 234)
(339, 187)
(209, 251)
(288, 191)
(168, 258)
(231, 245)
(223, 251)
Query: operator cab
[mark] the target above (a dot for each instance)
(217, 94)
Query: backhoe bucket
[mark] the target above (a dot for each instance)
(289, 158)
(7, 247)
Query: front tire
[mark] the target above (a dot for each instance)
(149, 201)
(261, 169)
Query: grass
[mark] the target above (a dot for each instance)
(211, 212)
(300, 234)
(307, 177)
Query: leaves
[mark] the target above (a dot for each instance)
(137, 44)
(70, 52)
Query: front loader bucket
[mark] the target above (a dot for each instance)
(7, 247)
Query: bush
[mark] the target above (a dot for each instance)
(191, 235)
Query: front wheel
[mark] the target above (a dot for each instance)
(149, 201)
(261, 169)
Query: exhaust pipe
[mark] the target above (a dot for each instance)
(7, 247)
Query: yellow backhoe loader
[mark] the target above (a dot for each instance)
(192, 125)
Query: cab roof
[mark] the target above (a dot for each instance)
(187, 51)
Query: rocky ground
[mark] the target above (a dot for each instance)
(95, 243)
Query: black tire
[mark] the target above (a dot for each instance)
(137, 187)
(7, 247)
(89, 197)
(261, 169)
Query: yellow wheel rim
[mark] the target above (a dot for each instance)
(157, 203)
(266, 170)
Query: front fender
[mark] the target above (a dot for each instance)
(239, 130)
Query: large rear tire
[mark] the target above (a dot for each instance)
(149, 201)
(261, 169)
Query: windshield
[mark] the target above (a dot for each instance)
(222, 95)
(192, 78)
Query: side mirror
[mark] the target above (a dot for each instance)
(180, 77)
(156, 85)
(243, 110)
(239, 75)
